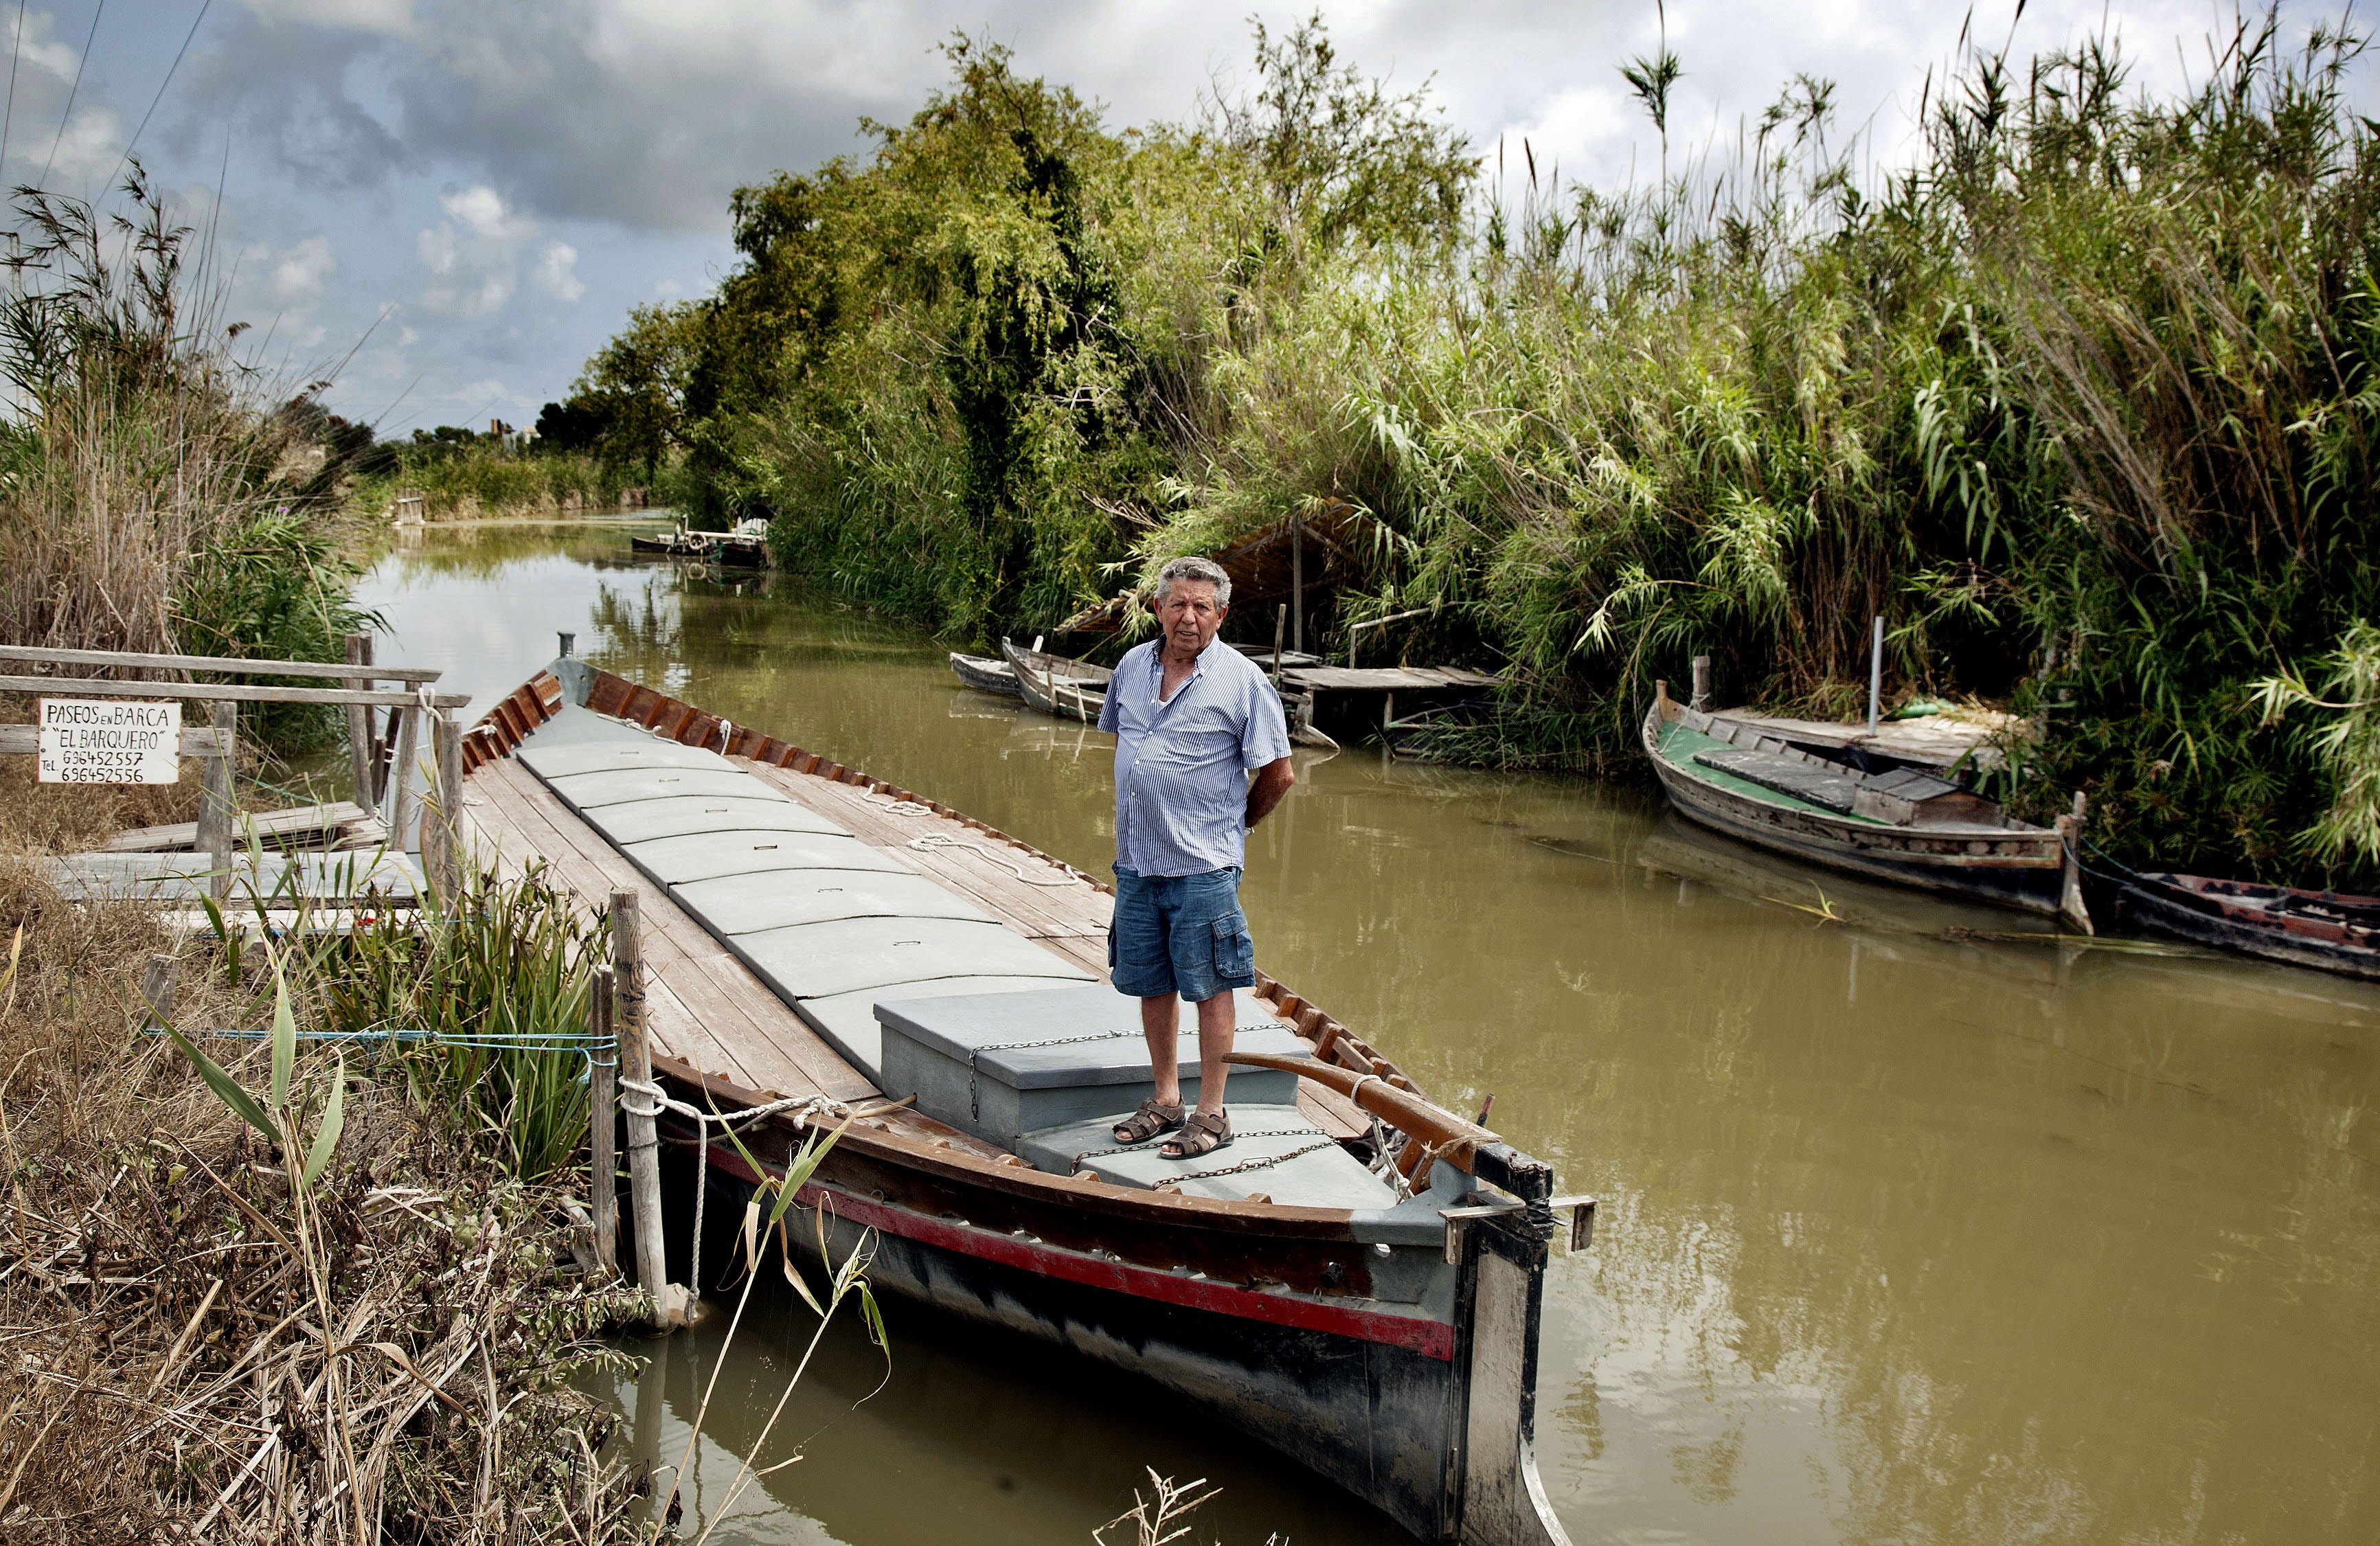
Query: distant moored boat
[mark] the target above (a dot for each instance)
(1899, 824)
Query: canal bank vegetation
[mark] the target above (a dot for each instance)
(155, 494)
(333, 1297)
(463, 475)
(2080, 400)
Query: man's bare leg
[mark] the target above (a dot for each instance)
(1161, 1019)
(1216, 1017)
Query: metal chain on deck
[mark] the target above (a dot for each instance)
(1261, 1163)
(975, 1101)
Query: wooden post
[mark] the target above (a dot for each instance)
(1875, 676)
(404, 813)
(603, 1114)
(157, 993)
(1297, 582)
(214, 836)
(449, 806)
(1701, 698)
(1279, 621)
(637, 1067)
(359, 723)
(2071, 909)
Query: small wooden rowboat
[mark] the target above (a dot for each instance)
(1069, 688)
(2325, 930)
(1078, 689)
(985, 675)
(1889, 822)
(1355, 1282)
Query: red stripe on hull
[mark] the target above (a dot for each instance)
(1430, 1338)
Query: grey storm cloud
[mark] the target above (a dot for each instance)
(647, 112)
(484, 186)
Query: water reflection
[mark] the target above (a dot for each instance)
(1914, 1231)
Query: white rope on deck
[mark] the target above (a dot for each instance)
(934, 840)
(805, 1108)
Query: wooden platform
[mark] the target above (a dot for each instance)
(704, 1008)
(329, 880)
(1385, 679)
(344, 822)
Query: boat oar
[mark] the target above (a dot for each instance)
(1448, 1136)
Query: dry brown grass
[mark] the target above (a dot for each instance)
(190, 1351)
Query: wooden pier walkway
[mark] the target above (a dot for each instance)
(707, 1010)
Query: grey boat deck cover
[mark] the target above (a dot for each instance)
(1048, 1074)
(863, 946)
(829, 922)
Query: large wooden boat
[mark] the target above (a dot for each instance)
(985, 675)
(1868, 816)
(1355, 1282)
(2325, 930)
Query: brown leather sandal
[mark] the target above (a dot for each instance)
(1151, 1119)
(1200, 1135)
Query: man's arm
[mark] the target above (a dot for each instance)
(1268, 787)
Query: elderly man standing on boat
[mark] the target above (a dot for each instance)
(1202, 754)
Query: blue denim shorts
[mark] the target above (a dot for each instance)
(1180, 935)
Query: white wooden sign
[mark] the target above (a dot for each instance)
(88, 741)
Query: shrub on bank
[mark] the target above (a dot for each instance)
(151, 499)
(478, 481)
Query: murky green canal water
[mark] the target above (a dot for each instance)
(1906, 1238)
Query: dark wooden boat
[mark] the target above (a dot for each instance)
(1385, 1336)
(985, 675)
(1868, 817)
(747, 547)
(2325, 930)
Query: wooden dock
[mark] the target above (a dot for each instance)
(707, 1010)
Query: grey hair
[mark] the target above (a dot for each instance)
(1196, 568)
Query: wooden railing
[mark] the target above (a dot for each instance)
(385, 751)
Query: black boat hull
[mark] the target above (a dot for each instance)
(1431, 1423)
(2151, 906)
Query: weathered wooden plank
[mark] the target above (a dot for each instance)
(333, 669)
(220, 692)
(24, 740)
(299, 820)
(735, 1044)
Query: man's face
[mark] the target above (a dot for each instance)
(1189, 616)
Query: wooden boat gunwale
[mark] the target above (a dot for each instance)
(1276, 1271)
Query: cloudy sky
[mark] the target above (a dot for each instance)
(454, 202)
